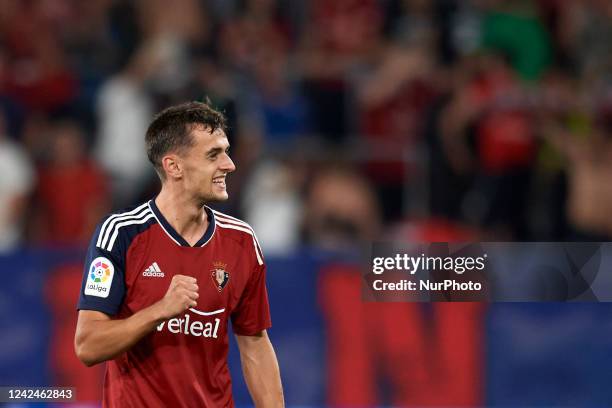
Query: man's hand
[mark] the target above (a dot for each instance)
(181, 295)
(99, 338)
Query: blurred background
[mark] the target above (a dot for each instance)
(350, 121)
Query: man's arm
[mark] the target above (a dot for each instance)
(99, 338)
(260, 369)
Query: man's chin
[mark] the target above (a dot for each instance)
(215, 198)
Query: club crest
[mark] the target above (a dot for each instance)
(219, 275)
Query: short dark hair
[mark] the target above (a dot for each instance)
(171, 129)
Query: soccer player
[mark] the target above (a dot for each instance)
(163, 280)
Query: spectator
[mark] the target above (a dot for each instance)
(72, 193)
(515, 28)
(342, 210)
(16, 184)
(590, 193)
(272, 205)
(274, 103)
(339, 38)
(124, 109)
(487, 134)
(38, 74)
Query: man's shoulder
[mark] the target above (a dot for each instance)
(124, 223)
(227, 221)
(231, 225)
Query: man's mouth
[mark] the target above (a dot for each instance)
(219, 181)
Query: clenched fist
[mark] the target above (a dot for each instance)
(181, 295)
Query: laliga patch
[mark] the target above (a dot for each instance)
(100, 277)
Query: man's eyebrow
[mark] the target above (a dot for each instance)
(214, 150)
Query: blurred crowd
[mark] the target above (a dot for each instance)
(349, 119)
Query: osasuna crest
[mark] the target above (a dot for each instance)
(219, 275)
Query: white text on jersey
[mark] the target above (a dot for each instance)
(194, 328)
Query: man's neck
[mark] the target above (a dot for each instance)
(185, 215)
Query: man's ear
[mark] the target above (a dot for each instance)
(172, 166)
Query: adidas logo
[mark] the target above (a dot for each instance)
(153, 271)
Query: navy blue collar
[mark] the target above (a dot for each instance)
(176, 237)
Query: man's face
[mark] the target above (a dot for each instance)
(205, 165)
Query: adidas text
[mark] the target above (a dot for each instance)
(153, 274)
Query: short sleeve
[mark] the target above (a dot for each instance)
(103, 284)
(252, 315)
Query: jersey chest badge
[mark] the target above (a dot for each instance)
(219, 275)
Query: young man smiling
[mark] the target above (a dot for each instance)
(162, 281)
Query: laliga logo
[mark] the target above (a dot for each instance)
(100, 272)
(100, 277)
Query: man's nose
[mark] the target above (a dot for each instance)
(228, 165)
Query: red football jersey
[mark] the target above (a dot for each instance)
(131, 260)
